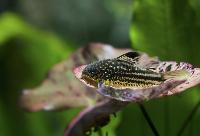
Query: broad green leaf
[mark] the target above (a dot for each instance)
(26, 54)
(169, 29)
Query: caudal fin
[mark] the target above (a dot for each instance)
(178, 74)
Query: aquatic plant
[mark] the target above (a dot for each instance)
(62, 90)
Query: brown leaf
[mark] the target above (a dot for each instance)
(96, 116)
(61, 89)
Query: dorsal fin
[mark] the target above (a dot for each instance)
(129, 56)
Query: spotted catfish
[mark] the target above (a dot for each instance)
(123, 72)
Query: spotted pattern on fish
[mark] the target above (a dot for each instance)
(120, 73)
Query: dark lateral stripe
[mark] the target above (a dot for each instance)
(141, 81)
(144, 76)
(137, 76)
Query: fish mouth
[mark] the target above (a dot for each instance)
(78, 71)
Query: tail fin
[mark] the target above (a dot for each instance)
(178, 74)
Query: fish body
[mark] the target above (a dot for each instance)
(121, 72)
(129, 78)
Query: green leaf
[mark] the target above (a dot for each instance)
(167, 28)
(26, 54)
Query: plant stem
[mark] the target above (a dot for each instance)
(100, 132)
(188, 119)
(106, 133)
(148, 119)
